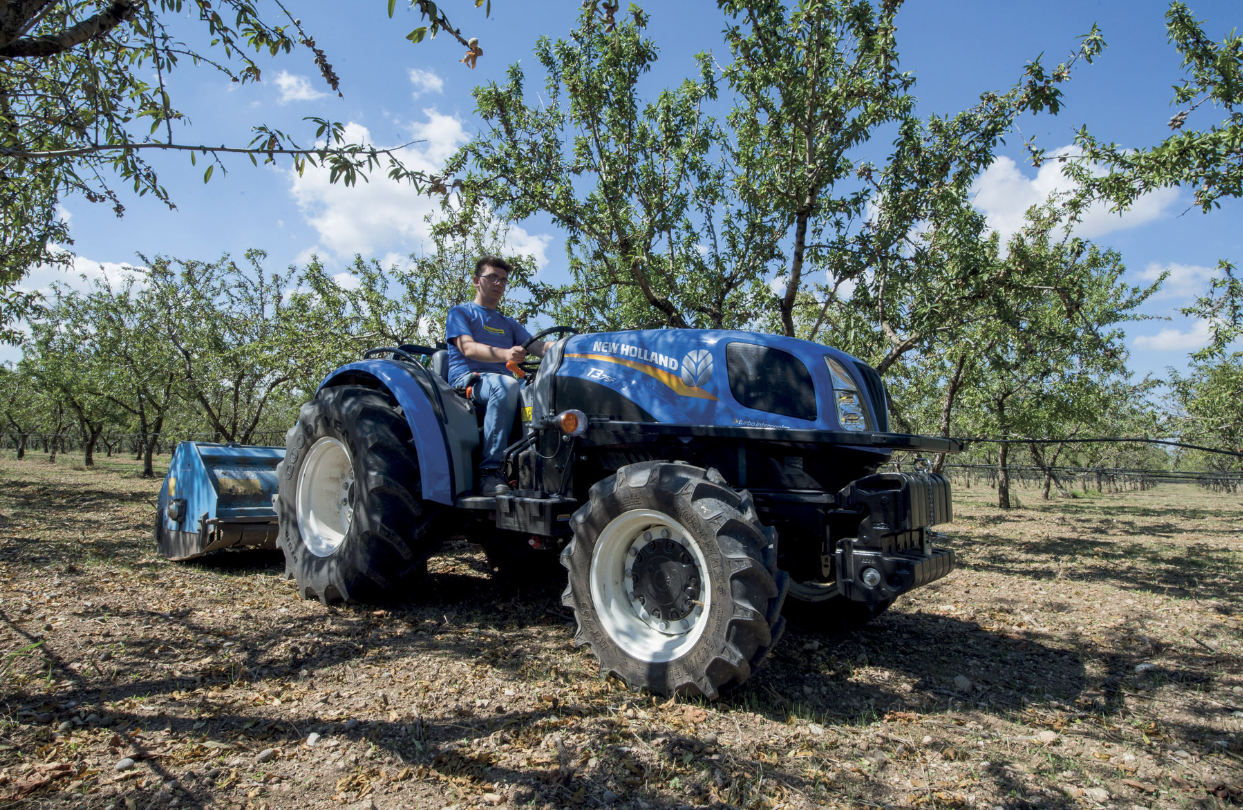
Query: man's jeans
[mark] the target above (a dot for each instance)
(499, 393)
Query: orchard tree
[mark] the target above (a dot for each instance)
(67, 364)
(1208, 159)
(222, 321)
(642, 190)
(1042, 356)
(143, 371)
(815, 82)
(17, 401)
(79, 111)
(1209, 398)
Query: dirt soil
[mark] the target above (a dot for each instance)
(1087, 654)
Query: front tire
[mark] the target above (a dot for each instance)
(353, 524)
(673, 580)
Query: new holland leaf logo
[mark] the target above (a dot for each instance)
(697, 368)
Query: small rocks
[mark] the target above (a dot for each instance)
(811, 646)
(962, 683)
(1147, 666)
(124, 765)
(312, 739)
(266, 755)
(1046, 737)
(816, 729)
(877, 758)
(44, 718)
(1099, 795)
(351, 724)
(65, 726)
(609, 797)
(493, 799)
(106, 656)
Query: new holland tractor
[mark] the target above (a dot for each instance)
(692, 483)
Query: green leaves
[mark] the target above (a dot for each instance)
(1207, 158)
(636, 183)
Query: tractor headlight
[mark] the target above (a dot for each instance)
(852, 414)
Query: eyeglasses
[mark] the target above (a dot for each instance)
(493, 279)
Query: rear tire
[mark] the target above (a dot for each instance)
(673, 580)
(353, 524)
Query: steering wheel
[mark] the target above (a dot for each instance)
(530, 368)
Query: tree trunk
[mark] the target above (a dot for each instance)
(947, 408)
(1003, 477)
(148, 471)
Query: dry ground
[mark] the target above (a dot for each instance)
(1088, 654)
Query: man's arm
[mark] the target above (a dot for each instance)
(474, 350)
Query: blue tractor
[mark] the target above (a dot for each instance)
(695, 485)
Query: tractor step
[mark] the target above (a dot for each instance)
(546, 517)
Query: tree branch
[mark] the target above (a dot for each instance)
(92, 28)
(121, 147)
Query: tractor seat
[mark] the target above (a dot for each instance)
(440, 363)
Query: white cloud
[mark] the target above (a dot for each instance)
(80, 275)
(296, 88)
(346, 281)
(1185, 280)
(1197, 337)
(517, 240)
(425, 81)
(383, 217)
(1004, 193)
(394, 259)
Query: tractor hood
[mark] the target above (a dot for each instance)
(719, 377)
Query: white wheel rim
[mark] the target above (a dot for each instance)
(325, 497)
(621, 615)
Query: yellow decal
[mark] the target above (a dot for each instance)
(526, 414)
(671, 380)
(172, 486)
(494, 331)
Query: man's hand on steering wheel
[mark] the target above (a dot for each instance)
(552, 330)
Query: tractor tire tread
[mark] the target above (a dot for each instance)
(745, 546)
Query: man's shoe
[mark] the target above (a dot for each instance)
(492, 484)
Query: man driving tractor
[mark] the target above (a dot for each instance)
(486, 343)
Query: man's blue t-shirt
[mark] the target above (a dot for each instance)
(486, 326)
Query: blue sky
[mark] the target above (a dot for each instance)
(396, 92)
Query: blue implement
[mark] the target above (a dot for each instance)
(217, 496)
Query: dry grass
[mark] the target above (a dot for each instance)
(1087, 654)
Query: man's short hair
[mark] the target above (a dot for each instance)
(492, 261)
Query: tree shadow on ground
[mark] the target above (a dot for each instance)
(1177, 569)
